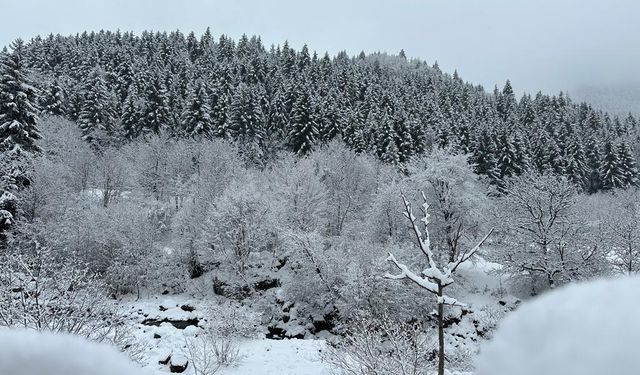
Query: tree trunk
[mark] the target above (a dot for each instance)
(440, 332)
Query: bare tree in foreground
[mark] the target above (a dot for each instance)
(434, 278)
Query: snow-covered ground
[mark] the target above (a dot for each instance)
(258, 355)
(163, 323)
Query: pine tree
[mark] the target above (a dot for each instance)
(577, 169)
(507, 159)
(594, 159)
(18, 108)
(52, 102)
(130, 119)
(155, 114)
(96, 118)
(246, 121)
(484, 157)
(611, 175)
(627, 166)
(303, 129)
(196, 119)
(386, 138)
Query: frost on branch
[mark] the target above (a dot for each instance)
(432, 278)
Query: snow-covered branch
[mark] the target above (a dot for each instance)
(408, 274)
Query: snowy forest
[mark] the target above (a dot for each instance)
(194, 201)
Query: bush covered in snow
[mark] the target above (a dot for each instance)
(583, 329)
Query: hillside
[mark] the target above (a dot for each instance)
(119, 86)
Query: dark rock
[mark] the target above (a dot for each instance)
(179, 324)
(162, 308)
(267, 284)
(281, 263)
(156, 336)
(165, 361)
(178, 364)
(187, 308)
(236, 292)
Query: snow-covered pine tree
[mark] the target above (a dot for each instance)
(594, 161)
(52, 101)
(483, 157)
(246, 121)
(130, 120)
(97, 117)
(155, 111)
(577, 169)
(627, 166)
(303, 129)
(386, 138)
(18, 104)
(611, 175)
(196, 119)
(507, 163)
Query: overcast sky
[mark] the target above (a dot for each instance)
(547, 45)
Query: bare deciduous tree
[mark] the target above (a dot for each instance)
(434, 278)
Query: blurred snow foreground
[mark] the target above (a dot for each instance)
(24, 352)
(589, 328)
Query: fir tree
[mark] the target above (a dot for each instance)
(484, 159)
(96, 118)
(155, 113)
(302, 124)
(627, 166)
(577, 169)
(18, 109)
(130, 119)
(594, 159)
(52, 102)
(246, 121)
(197, 116)
(611, 175)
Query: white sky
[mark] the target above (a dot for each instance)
(547, 45)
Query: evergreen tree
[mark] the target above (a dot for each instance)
(246, 121)
(577, 169)
(594, 159)
(507, 159)
(611, 175)
(627, 166)
(18, 108)
(155, 113)
(96, 118)
(484, 157)
(52, 102)
(130, 119)
(197, 116)
(303, 129)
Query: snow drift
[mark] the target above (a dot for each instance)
(25, 352)
(583, 329)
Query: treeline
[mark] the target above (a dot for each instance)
(119, 86)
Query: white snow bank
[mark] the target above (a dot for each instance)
(280, 357)
(583, 329)
(34, 353)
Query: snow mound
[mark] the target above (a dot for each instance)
(583, 329)
(34, 353)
